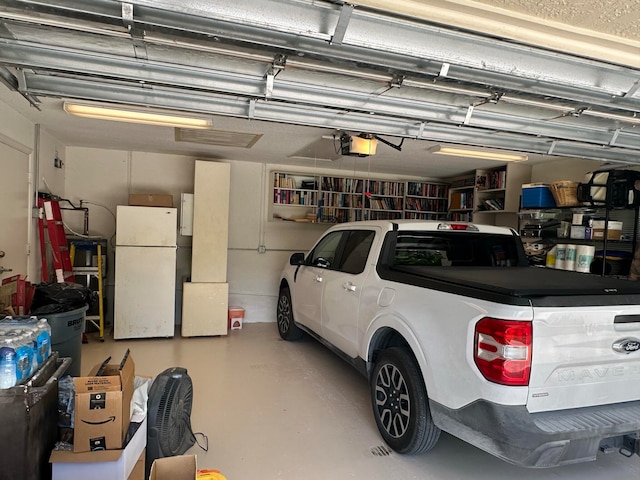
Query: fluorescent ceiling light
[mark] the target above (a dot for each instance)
(120, 114)
(479, 154)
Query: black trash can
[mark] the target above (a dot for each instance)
(30, 423)
(66, 335)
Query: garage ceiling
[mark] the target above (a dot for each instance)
(300, 72)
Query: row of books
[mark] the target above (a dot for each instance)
(384, 203)
(337, 215)
(383, 215)
(339, 184)
(284, 180)
(344, 200)
(426, 204)
(461, 200)
(375, 187)
(295, 197)
(423, 215)
(461, 216)
(493, 204)
(488, 180)
(433, 190)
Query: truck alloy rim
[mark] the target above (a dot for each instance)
(392, 401)
(284, 314)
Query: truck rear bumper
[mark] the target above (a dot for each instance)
(546, 439)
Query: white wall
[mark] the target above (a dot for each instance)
(258, 248)
(18, 132)
(573, 169)
(106, 177)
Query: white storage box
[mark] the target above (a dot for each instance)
(101, 465)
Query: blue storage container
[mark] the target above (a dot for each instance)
(537, 195)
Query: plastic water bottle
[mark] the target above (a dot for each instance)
(24, 355)
(7, 362)
(32, 335)
(43, 341)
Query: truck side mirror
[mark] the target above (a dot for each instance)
(296, 259)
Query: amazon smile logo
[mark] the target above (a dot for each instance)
(112, 418)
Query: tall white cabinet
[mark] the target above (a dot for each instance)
(205, 299)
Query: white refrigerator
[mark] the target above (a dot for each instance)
(145, 272)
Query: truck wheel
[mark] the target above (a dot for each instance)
(287, 327)
(400, 403)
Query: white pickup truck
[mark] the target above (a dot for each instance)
(456, 332)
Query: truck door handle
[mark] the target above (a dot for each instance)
(349, 286)
(318, 279)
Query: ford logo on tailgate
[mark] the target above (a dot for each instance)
(626, 345)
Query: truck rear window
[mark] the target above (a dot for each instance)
(450, 249)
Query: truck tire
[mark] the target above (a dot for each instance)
(400, 403)
(287, 327)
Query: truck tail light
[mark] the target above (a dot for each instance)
(503, 350)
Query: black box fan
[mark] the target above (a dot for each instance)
(169, 416)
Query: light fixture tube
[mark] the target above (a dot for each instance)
(479, 154)
(115, 113)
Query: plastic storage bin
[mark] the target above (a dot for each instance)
(30, 423)
(66, 335)
(537, 195)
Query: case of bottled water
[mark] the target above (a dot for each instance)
(25, 345)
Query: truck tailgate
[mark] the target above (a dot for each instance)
(584, 356)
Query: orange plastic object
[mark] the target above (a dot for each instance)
(210, 475)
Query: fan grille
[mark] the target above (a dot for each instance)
(174, 412)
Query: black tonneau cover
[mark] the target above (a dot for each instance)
(520, 285)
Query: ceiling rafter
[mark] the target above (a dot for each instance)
(353, 68)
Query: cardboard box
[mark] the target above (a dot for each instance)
(18, 293)
(181, 467)
(123, 464)
(103, 407)
(150, 200)
(614, 232)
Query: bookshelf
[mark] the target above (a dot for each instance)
(295, 197)
(497, 194)
(341, 199)
(384, 200)
(329, 199)
(426, 200)
(461, 198)
(489, 195)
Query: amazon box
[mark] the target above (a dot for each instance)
(125, 464)
(103, 406)
(181, 467)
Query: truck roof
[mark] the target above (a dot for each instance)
(423, 225)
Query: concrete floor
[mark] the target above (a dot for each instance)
(295, 411)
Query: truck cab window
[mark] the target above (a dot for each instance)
(356, 250)
(447, 249)
(324, 253)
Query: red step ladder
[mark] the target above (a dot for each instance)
(50, 222)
